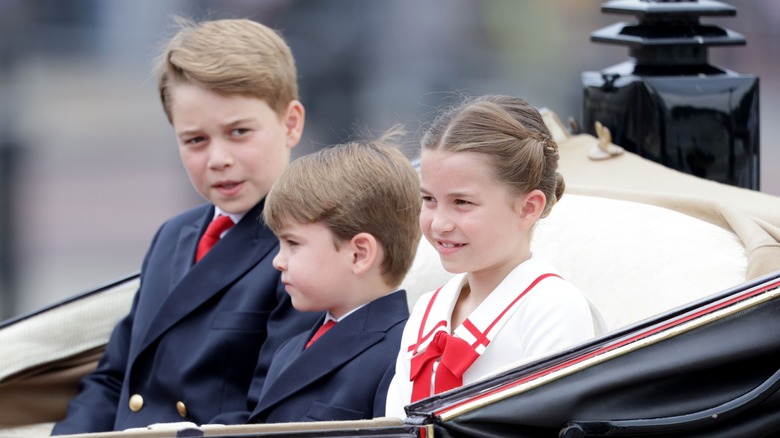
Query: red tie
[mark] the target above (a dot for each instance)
(321, 331)
(210, 238)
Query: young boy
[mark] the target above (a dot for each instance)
(347, 222)
(188, 349)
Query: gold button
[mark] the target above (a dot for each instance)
(136, 402)
(182, 409)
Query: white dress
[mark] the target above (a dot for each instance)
(531, 313)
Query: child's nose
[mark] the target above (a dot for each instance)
(220, 156)
(441, 221)
(278, 262)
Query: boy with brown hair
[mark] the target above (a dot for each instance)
(210, 302)
(347, 222)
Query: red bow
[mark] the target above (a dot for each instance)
(455, 356)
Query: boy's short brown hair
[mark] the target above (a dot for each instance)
(351, 188)
(232, 56)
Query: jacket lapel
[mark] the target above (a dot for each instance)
(240, 250)
(183, 256)
(347, 339)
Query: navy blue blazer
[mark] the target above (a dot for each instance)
(344, 375)
(188, 349)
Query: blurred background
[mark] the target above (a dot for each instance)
(89, 166)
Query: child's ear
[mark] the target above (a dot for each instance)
(530, 208)
(294, 117)
(365, 251)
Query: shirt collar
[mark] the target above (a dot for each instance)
(236, 217)
(329, 317)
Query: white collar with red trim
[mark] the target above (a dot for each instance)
(487, 320)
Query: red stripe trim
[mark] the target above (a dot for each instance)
(530, 286)
(481, 337)
(675, 322)
(424, 338)
(420, 337)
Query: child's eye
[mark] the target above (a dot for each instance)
(462, 202)
(239, 131)
(426, 198)
(194, 140)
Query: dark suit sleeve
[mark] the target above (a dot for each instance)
(94, 408)
(284, 323)
(380, 402)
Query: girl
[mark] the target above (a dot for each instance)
(488, 174)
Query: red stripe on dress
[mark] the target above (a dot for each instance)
(481, 338)
(420, 337)
(528, 289)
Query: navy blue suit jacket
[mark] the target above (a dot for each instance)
(344, 375)
(194, 332)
